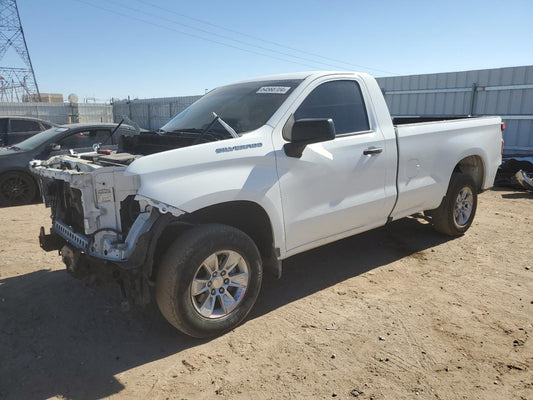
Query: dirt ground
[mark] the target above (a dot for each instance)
(397, 313)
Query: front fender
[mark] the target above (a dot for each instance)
(196, 177)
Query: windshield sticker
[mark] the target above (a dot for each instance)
(236, 148)
(274, 89)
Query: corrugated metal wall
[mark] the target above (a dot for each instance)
(507, 92)
(148, 113)
(152, 113)
(57, 113)
(62, 113)
(95, 112)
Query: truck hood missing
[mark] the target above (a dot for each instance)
(189, 177)
(176, 170)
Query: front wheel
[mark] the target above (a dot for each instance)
(17, 188)
(209, 280)
(456, 212)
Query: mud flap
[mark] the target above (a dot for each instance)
(272, 265)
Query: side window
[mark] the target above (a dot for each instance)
(102, 136)
(341, 101)
(85, 139)
(46, 126)
(24, 125)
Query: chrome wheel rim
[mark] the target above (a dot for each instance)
(463, 206)
(219, 284)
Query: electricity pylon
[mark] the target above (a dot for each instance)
(17, 77)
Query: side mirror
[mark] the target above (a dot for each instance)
(54, 147)
(307, 131)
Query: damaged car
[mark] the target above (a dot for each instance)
(19, 187)
(250, 175)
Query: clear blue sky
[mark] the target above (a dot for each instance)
(93, 52)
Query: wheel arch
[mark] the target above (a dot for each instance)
(474, 167)
(244, 215)
(20, 170)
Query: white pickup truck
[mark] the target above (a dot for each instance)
(249, 175)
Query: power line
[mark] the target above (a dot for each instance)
(223, 36)
(159, 17)
(261, 39)
(189, 34)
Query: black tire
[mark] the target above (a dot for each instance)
(16, 189)
(186, 259)
(444, 218)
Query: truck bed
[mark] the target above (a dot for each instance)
(422, 188)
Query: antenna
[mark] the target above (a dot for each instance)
(17, 78)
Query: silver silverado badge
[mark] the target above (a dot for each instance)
(236, 148)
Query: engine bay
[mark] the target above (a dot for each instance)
(130, 149)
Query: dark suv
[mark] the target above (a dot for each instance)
(18, 186)
(16, 129)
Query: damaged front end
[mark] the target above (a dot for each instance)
(102, 229)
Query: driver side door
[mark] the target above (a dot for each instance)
(336, 188)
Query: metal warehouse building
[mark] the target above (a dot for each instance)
(507, 92)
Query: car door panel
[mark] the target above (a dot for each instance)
(334, 188)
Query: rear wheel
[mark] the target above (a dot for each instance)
(456, 212)
(17, 188)
(208, 280)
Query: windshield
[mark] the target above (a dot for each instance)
(243, 106)
(39, 139)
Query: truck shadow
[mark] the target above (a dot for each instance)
(317, 269)
(60, 337)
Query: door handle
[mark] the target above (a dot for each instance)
(372, 150)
